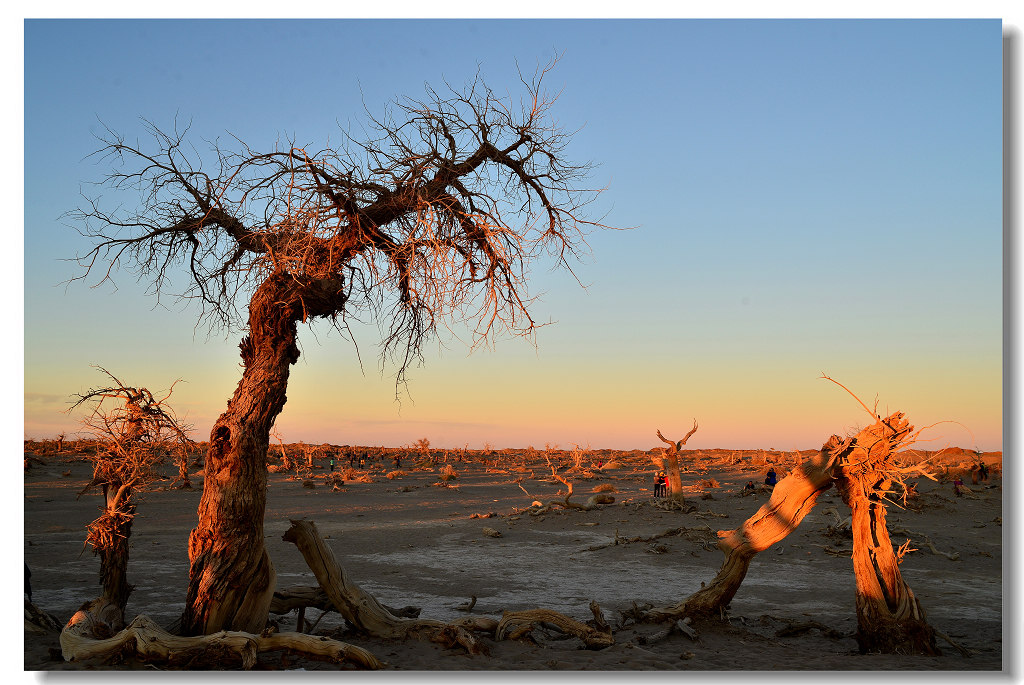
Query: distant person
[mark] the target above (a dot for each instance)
(659, 484)
(771, 478)
(983, 471)
(958, 486)
(749, 486)
(332, 463)
(398, 461)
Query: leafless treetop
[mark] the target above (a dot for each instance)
(433, 218)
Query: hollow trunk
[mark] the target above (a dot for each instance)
(231, 580)
(790, 502)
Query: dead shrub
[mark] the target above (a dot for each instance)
(391, 475)
(447, 474)
(604, 487)
(708, 483)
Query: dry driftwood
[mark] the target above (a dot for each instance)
(363, 611)
(152, 643)
(681, 626)
(515, 624)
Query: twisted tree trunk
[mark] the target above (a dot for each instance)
(231, 580)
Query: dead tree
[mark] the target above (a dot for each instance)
(433, 221)
(132, 437)
(675, 480)
(889, 617)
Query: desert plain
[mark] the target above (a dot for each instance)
(415, 535)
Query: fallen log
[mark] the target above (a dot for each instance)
(150, 642)
(364, 612)
(516, 624)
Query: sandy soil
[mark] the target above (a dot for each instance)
(411, 541)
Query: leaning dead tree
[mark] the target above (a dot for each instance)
(134, 430)
(791, 500)
(432, 221)
(889, 616)
(671, 458)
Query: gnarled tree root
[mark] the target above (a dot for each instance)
(517, 623)
(152, 643)
(364, 612)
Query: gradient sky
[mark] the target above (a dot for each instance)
(807, 197)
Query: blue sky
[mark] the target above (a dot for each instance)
(806, 196)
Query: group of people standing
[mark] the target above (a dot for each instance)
(661, 482)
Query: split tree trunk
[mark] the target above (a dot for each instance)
(231, 580)
(889, 617)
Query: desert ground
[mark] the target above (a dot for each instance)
(417, 539)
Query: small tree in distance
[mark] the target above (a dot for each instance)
(433, 220)
(134, 430)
